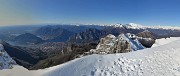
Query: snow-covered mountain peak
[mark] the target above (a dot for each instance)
(130, 25)
(134, 26)
(115, 25)
(139, 26)
(6, 62)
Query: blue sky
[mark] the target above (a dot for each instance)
(146, 12)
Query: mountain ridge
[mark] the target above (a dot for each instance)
(139, 26)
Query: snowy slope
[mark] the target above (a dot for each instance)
(135, 44)
(21, 71)
(6, 61)
(164, 41)
(162, 60)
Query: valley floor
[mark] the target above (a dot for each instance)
(163, 59)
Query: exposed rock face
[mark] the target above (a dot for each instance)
(146, 34)
(6, 62)
(89, 35)
(146, 38)
(121, 44)
(54, 34)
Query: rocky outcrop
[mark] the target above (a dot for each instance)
(146, 38)
(146, 34)
(6, 62)
(121, 44)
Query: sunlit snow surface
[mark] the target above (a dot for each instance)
(164, 41)
(162, 60)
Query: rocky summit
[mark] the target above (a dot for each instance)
(121, 44)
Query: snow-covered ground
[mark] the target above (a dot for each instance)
(164, 41)
(163, 60)
(21, 71)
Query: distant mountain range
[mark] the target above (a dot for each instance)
(84, 33)
(138, 26)
(53, 33)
